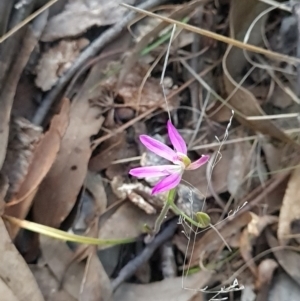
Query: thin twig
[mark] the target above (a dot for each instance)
(272, 54)
(196, 63)
(129, 269)
(92, 50)
(27, 20)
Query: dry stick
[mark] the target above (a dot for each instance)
(92, 50)
(8, 92)
(129, 269)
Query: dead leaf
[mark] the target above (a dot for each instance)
(43, 157)
(198, 177)
(288, 259)
(56, 61)
(127, 221)
(211, 241)
(6, 291)
(23, 139)
(137, 193)
(249, 236)
(48, 284)
(95, 284)
(242, 15)
(94, 184)
(266, 270)
(167, 289)
(109, 151)
(239, 167)
(15, 272)
(80, 15)
(58, 192)
(273, 154)
(58, 257)
(290, 209)
(283, 288)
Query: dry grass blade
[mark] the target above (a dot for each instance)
(27, 20)
(134, 55)
(218, 37)
(242, 14)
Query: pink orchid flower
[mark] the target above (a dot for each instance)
(172, 173)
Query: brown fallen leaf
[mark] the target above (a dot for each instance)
(43, 158)
(288, 259)
(94, 184)
(14, 272)
(12, 77)
(58, 192)
(108, 152)
(290, 209)
(211, 241)
(49, 284)
(242, 14)
(129, 92)
(167, 289)
(198, 177)
(249, 236)
(127, 221)
(58, 257)
(283, 288)
(80, 15)
(265, 273)
(6, 291)
(95, 284)
(56, 61)
(22, 142)
(239, 167)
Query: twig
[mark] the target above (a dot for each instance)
(22, 22)
(87, 54)
(196, 64)
(129, 269)
(271, 54)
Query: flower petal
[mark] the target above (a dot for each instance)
(167, 183)
(154, 171)
(158, 148)
(198, 163)
(177, 141)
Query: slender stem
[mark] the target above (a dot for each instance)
(164, 211)
(180, 212)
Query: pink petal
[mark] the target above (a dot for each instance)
(158, 148)
(198, 163)
(167, 183)
(154, 171)
(176, 139)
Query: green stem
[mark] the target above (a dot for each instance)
(164, 211)
(180, 212)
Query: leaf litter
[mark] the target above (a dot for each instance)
(71, 172)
